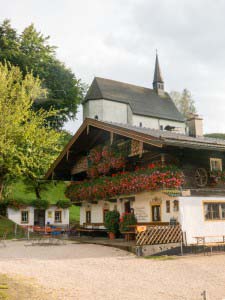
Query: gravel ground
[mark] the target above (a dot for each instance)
(82, 271)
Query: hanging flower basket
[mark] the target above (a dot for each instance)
(103, 167)
(117, 162)
(92, 172)
(95, 155)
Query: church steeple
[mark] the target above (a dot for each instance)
(158, 83)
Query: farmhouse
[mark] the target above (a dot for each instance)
(135, 152)
(31, 216)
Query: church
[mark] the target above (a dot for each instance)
(119, 102)
(136, 152)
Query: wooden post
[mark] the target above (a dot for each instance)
(88, 129)
(111, 137)
(140, 149)
(162, 159)
(67, 154)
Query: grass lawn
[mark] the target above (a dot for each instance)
(8, 226)
(74, 214)
(17, 288)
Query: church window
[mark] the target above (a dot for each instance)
(140, 124)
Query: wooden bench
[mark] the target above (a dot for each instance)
(91, 228)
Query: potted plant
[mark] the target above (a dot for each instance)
(127, 220)
(112, 223)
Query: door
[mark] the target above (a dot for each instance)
(39, 217)
(156, 216)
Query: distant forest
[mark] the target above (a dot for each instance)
(216, 135)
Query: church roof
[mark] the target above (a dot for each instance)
(143, 101)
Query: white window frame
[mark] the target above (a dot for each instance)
(27, 212)
(220, 210)
(56, 220)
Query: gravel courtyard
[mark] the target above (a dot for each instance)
(82, 271)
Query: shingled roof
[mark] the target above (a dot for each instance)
(143, 101)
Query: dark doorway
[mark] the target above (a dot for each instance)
(127, 207)
(156, 216)
(39, 217)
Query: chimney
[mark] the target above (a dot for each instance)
(195, 125)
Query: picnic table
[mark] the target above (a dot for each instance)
(210, 241)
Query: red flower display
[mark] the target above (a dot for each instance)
(126, 183)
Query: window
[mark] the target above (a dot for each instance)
(175, 205)
(216, 164)
(161, 127)
(88, 216)
(58, 216)
(214, 211)
(156, 216)
(24, 216)
(168, 206)
(96, 117)
(140, 124)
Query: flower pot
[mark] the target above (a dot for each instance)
(112, 235)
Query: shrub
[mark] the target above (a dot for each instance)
(40, 203)
(112, 221)
(126, 220)
(15, 204)
(63, 203)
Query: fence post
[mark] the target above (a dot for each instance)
(139, 251)
(15, 230)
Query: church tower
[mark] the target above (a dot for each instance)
(158, 83)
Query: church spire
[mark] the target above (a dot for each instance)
(158, 83)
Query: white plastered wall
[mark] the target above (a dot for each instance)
(192, 218)
(141, 205)
(15, 216)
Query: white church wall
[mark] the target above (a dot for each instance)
(106, 110)
(180, 126)
(147, 122)
(155, 123)
(115, 112)
(93, 108)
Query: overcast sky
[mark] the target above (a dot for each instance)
(117, 39)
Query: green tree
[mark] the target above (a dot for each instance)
(184, 102)
(32, 52)
(27, 144)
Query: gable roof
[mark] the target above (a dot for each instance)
(156, 138)
(143, 101)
